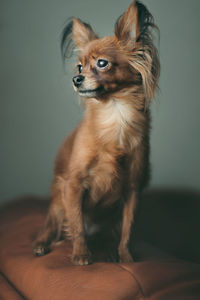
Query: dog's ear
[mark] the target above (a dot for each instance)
(133, 26)
(127, 25)
(82, 33)
(133, 31)
(76, 34)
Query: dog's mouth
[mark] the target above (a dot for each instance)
(91, 92)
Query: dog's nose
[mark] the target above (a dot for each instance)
(77, 80)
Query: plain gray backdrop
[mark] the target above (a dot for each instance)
(39, 107)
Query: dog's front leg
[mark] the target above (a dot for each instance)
(74, 216)
(127, 220)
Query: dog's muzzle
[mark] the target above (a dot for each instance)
(78, 80)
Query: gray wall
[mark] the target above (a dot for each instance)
(39, 107)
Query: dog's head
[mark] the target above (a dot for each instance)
(123, 62)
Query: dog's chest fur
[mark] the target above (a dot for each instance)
(112, 122)
(104, 181)
(106, 172)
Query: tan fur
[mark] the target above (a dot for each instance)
(105, 160)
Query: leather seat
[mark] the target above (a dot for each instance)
(157, 274)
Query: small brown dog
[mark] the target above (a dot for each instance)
(103, 165)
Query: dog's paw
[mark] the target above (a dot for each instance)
(82, 259)
(41, 250)
(125, 256)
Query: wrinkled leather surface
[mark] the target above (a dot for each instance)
(7, 291)
(156, 276)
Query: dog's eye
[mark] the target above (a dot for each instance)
(102, 63)
(80, 68)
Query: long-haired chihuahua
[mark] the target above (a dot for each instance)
(103, 165)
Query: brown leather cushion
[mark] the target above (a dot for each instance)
(155, 276)
(7, 291)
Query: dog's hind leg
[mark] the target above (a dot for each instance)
(52, 230)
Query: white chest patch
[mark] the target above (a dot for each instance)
(117, 112)
(115, 118)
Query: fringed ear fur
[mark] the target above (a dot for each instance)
(126, 27)
(133, 31)
(82, 33)
(76, 34)
(67, 46)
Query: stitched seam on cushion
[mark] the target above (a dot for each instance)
(11, 284)
(132, 275)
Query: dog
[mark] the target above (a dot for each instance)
(103, 165)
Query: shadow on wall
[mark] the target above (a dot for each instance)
(170, 220)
